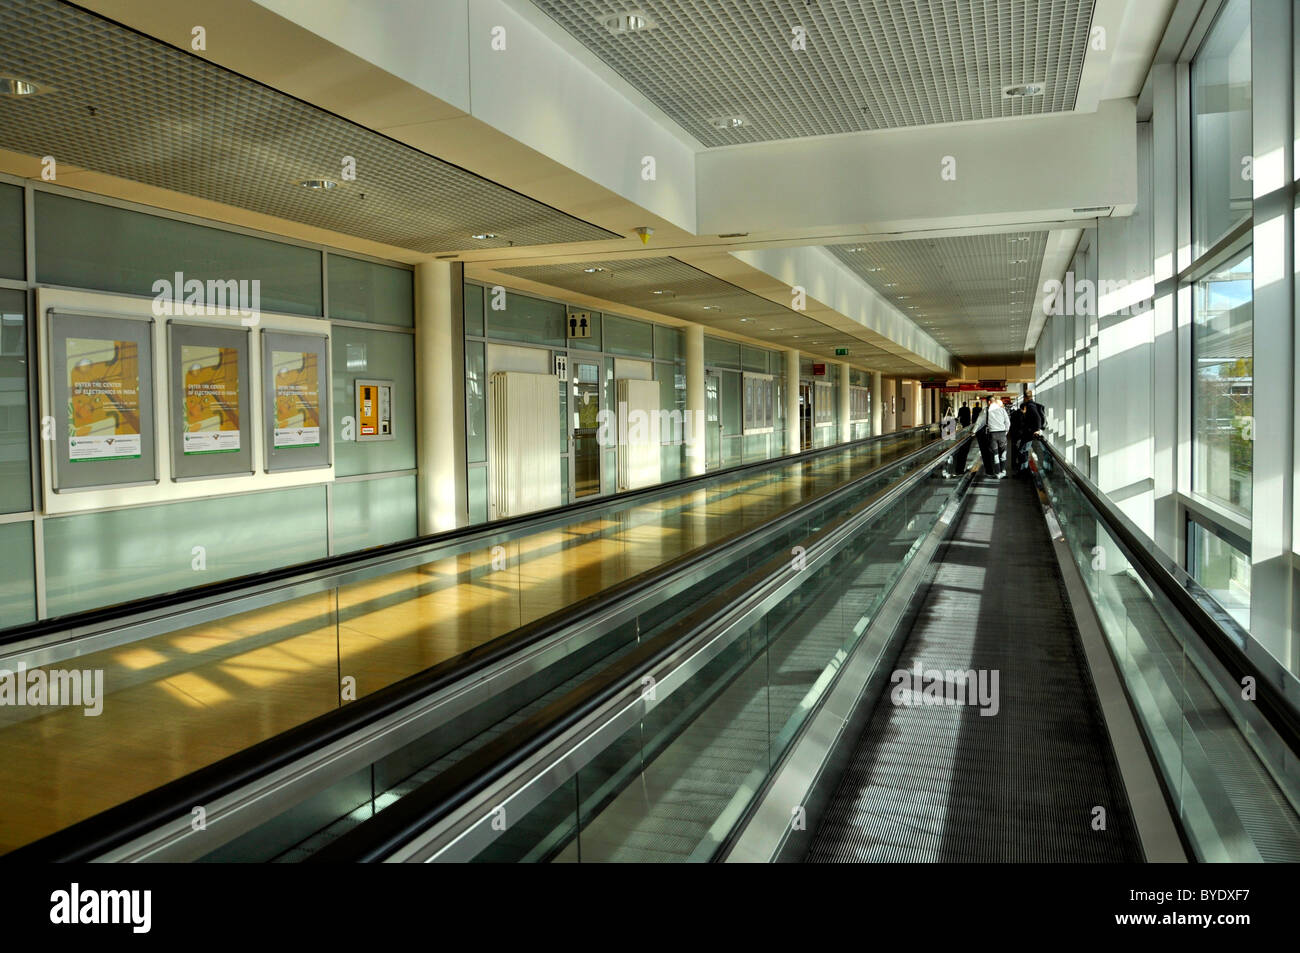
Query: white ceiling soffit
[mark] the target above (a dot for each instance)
(132, 107)
(864, 65)
(670, 287)
(1057, 255)
(974, 294)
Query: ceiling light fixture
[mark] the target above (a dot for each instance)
(1023, 89)
(320, 184)
(16, 87)
(592, 271)
(484, 236)
(629, 21)
(728, 122)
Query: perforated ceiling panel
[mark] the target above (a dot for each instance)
(867, 64)
(690, 294)
(132, 107)
(973, 294)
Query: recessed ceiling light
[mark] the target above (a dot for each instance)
(744, 319)
(728, 122)
(16, 87)
(711, 307)
(318, 183)
(592, 271)
(1019, 261)
(484, 236)
(1023, 89)
(1018, 238)
(855, 250)
(891, 284)
(629, 21)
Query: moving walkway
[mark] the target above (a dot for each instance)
(792, 715)
(291, 698)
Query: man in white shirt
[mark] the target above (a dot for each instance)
(991, 431)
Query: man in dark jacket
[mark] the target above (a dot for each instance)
(963, 415)
(1015, 434)
(1039, 413)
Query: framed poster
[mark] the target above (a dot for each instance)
(209, 401)
(295, 370)
(100, 377)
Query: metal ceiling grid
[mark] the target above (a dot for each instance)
(868, 64)
(974, 294)
(132, 107)
(693, 295)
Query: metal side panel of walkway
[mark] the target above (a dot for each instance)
(946, 783)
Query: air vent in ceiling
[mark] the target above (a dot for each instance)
(1090, 209)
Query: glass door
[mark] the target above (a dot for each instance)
(586, 453)
(712, 422)
(805, 416)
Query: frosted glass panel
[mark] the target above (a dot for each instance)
(379, 355)
(98, 559)
(17, 575)
(11, 232)
(369, 291)
(478, 494)
(15, 448)
(668, 343)
(88, 245)
(373, 512)
(528, 319)
(474, 310)
(475, 403)
(721, 353)
(625, 336)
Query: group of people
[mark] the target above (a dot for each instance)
(1002, 431)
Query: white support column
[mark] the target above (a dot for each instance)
(792, 441)
(889, 406)
(1272, 580)
(1164, 318)
(696, 458)
(440, 396)
(877, 404)
(846, 426)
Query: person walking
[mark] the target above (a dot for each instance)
(948, 430)
(1015, 435)
(963, 415)
(980, 426)
(999, 422)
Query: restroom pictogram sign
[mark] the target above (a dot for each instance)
(579, 324)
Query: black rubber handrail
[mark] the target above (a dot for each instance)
(97, 835)
(1186, 595)
(379, 836)
(104, 617)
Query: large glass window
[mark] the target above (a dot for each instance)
(12, 264)
(1221, 127)
(15, 449)
(1222, 567)
(1223, 388)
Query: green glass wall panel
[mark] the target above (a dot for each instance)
(373, 512)
(475, 403)
(474, 310)
(17, 575)
(625, 336)
(668, 343)
(369, 291)
(12, 264)
(359, 353)
(15, 445)
(528, 319)
(721, 353)
(98, 559)
(754, 359)
(478, 494)
(88, 245)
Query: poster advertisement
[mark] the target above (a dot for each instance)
(103, 399)
(212, 399)
(297, 399)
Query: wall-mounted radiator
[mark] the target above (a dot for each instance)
(524, 455)
(638, 433)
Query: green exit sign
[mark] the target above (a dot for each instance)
(841, 352)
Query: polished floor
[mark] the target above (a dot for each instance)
(180, 701)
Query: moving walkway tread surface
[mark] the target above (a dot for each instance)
(944, 783)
